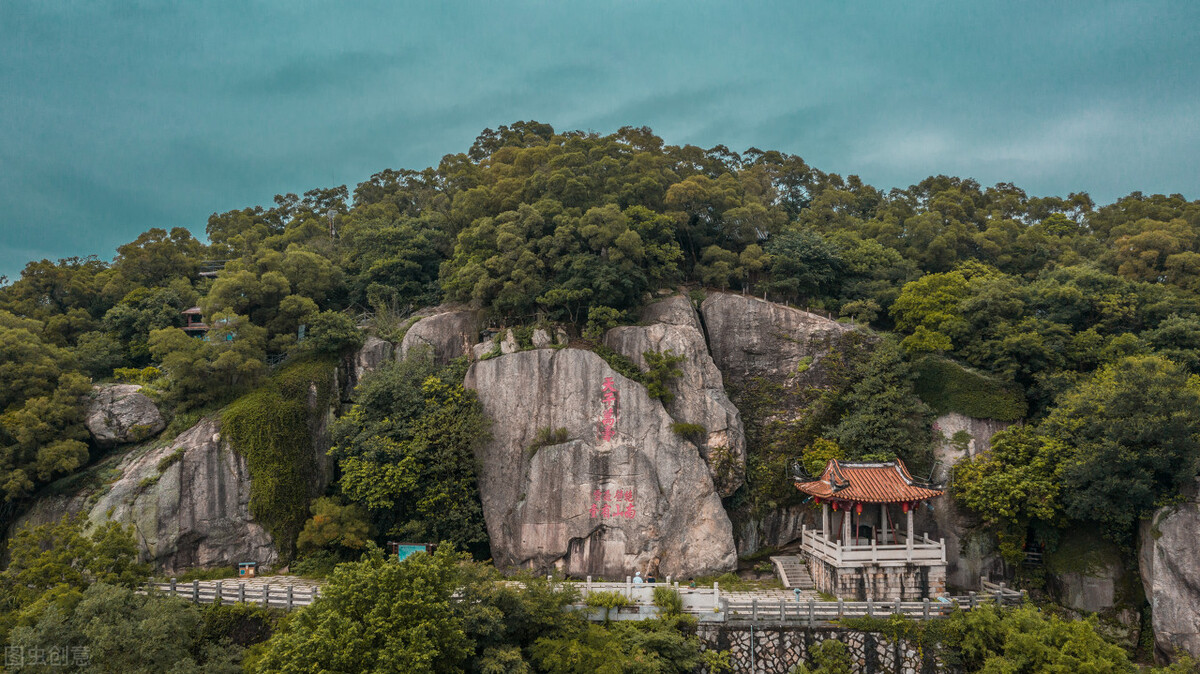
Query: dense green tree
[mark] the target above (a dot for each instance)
(1134, 428)
(335, 526)
(406, 452)
(142, 311)
(1015, 486)
(225, 362)
(44, 438)
(884, 418)
(28, 366)
(804, 266)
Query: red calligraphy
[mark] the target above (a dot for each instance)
(610, 503)
(608, 421)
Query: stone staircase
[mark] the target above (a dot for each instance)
(793, 572)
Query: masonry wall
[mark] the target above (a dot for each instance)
(879, 582)
(776, 649)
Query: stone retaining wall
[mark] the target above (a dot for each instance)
(776, 649)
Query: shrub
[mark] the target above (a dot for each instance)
(660, 372)
(693, 432)
(270, 427)
(133, 375)
(625, 367)
(668, 601)
(607, 600)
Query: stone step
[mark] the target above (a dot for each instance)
(792, 572)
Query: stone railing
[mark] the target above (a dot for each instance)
(221, 592)
(919, 549)
(813, 612)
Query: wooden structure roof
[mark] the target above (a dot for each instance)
(887, 482)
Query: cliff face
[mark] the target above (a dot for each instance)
(969, 555)
(699, 391)
(751, 338)
(187, 500)
(622, 493)
(753, 341)
(1170, 571)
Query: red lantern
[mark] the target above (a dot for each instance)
(835, 506)
(858, 508)
(904, 507)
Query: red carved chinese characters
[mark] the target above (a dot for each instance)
(607, 504)
(608, 421)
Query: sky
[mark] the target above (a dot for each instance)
(116, 117)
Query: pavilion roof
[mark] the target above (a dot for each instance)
(887, 482)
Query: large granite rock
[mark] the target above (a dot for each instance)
(449, 333)
(699, 393)
(970, 555)
(373, 354)
(566, 506)
(188, 502)
(120, 414)
(750, 337)
(771, 356)
(1170, 569)
(1086, 573)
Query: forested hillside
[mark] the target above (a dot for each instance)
(574, 227)
(1083, 320)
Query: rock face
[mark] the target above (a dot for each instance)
(120, 414)
(619, 496)
(1170, 571)
(753, 341)
(969, 556)
(1086, 573)
(370, 357)
(963, 436)
(750, 337)
(188, 502)
(449, 333)
(699, 392)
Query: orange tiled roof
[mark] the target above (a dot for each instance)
(867, 483)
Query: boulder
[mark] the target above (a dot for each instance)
(751, 338)
(482, 349)
(187, 500)
(370, 357)
(1086, 574)
(699, 393)
(449, 334)
(674, 310)
(541, 339)
(962, 436)
(509, 343)
(1170, 570)
(560, 336)
(623, 493)
(120, 414)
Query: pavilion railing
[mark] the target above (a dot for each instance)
(919, 549)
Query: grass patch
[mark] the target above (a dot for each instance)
(947, 386)
(547, 436)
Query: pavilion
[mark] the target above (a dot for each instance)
(862, 553)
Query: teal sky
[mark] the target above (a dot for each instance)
(121, 116)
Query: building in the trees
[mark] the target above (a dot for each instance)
(193, 322)
(866, 547)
